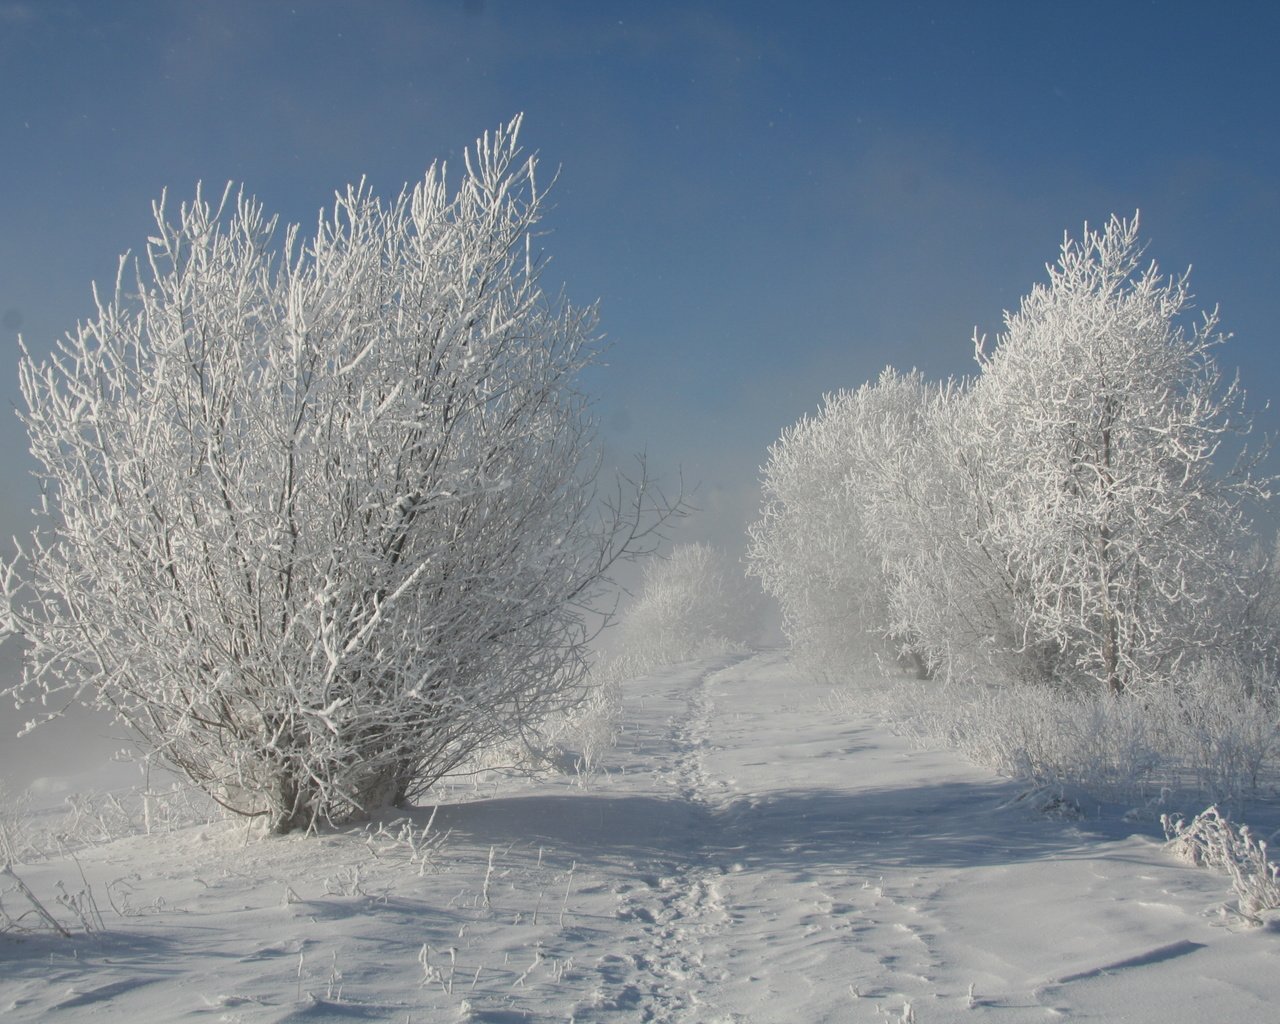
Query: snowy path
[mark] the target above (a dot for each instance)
(828, 871)
(750, 857)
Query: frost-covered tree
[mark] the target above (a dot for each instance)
(825, 547)
(692, 603)
(809, 548)
(319, 516)
(952, 603)
(1060, 517)
(1099, 414)
(866, 536)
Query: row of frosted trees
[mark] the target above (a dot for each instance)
(320, 516)
(1063, 516)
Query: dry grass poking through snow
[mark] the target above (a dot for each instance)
(1210, 743)
(1215, 742)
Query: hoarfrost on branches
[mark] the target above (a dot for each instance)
(1102, 416)
(1060, 517)
(320, 518)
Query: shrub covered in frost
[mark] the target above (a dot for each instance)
(1214, 739)
(319, 514)
(1210, 839)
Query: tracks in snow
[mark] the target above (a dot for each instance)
(764, 899)
(676, 903)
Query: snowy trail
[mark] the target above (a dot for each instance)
(750, 856)
(840, 874)
(775, 862)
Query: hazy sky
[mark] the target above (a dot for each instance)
(769, 201)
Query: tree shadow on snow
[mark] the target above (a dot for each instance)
(956, 824)
(585, 824)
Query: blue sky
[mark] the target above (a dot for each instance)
(769, 201)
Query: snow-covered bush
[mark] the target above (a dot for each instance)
(571, 741)
(1058, 518)
(16, 839)
(1100, 415)
(575, 742)
(954, 606)
(818, 548)
(588, 731)
(1213, 739)
(693, 603)
(319, 515)
(1223, 722)
(866, 533)
(1037, 734)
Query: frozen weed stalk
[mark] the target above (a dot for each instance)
(333, 984)
(568, 884)
(347, 883)
(537, 960)
(9, 923)
(433, 975)
(488, 877)
(82, 903)
(1211, 839)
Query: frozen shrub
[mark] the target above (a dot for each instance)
(859, 502)
(1224, 723)
(320, 516)
(576, 741)
(16, 838)
(1034, 733)
(1214, 740)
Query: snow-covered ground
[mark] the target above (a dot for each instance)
(749, 855)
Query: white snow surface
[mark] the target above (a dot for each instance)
(748, 855)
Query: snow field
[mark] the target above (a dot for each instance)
(745, 855)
